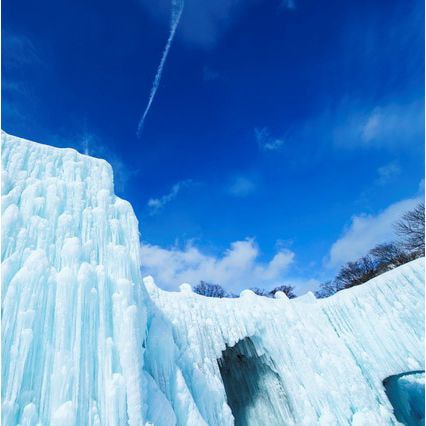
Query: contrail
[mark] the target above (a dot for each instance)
(177, 8)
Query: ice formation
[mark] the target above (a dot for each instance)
(73, 314)
(406, 392)
(86, 341)
(311, 362)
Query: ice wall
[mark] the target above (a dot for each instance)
(73, 315)
(85, 343)
(330, 356)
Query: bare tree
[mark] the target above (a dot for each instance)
(411, 229)
(259, 291)
(358, 272)
(210, 290)
(327, 289)
(383, 257)
(287, 289)
(390, 255)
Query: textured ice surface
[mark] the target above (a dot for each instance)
(324, 361)
(84, 342)
(73, 316)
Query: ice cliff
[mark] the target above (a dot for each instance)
(86, 341)
(73, 309)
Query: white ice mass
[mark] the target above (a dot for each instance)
(86, 341)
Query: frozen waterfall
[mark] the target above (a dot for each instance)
(73, 309)
(86, 341)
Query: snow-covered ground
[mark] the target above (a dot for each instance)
(84, 341)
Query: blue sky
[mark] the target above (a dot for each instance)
(284, 139)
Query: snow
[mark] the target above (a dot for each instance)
(86, 341)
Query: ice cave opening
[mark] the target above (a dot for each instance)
(254, 391)
(406, 393)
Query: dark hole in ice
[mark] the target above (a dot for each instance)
(254, 391)
(406, 393)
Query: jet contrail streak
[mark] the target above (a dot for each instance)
(177, 8)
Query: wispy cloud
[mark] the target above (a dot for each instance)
(156, 204)
(367, 230)
(265, 141)
(21, 58)
(19, 50)
(176, 12)
(353, 126)
(388, 126)
(239, 267)
(241, 186)
(204, 22)
(388, 172)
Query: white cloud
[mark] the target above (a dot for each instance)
(385, 126)
(265, 141)
(238, 268)
(372, 126)
(241, 187)
(365, 231)
(302, 286)
(387, 172)
(155, 204)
